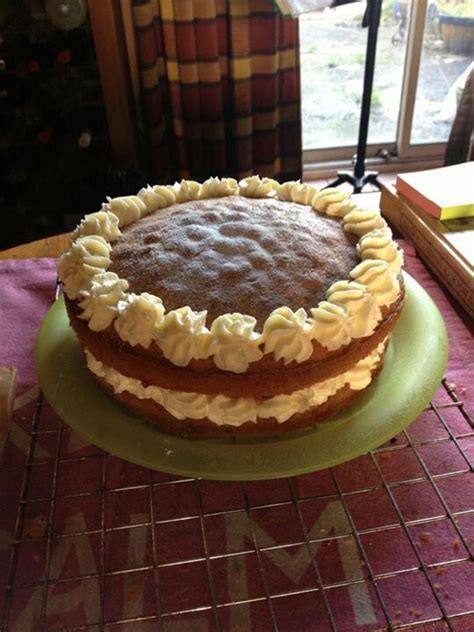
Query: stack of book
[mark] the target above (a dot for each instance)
(435, 210)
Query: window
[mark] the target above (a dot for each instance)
(419, 73)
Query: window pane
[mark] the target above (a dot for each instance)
(448, 46)
(333, 47)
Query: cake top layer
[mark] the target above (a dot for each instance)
(233, 270)
(235, 254)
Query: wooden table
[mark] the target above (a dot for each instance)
(48, 247)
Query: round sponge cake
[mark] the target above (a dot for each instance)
(227, 308)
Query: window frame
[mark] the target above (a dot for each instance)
(402, 154)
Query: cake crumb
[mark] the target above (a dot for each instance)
(417, 613)
(456, 543)
(439, 570)
(452, 386)
(438, 586)
(36, 527)
(398, 612)
(426, 536)
(135, 589)
(446, 595)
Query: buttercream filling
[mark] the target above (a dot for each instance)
(236, 411)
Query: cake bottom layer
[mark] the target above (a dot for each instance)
(199, 415)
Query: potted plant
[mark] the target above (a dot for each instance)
(456, 20)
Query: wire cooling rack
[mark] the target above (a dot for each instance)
(381, 543)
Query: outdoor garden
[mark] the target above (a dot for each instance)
(333, 46)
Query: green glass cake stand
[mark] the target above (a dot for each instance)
(414, 366)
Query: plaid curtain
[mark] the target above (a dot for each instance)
(220, 88)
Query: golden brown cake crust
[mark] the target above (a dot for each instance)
(264, 378)
(235, 254)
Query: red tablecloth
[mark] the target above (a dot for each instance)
(87, 539)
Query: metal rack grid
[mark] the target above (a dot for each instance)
(206, 504)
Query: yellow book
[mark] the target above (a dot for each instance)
(445, 193)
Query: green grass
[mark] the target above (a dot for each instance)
(463, 9)
(336, 59)
(376, 98)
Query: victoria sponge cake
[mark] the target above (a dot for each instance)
(233, 308)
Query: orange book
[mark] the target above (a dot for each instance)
(444, 193)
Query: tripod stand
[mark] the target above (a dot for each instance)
(359, 178)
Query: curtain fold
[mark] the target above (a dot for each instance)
(220, 88)
(459, 147)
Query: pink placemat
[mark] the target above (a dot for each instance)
(88, 541)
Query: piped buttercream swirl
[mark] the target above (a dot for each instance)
(331, 325)
(360, 304)
(219, 187)
(379, 279)
(187, 190)
(296, 192)
(128, 208)
(234, 343)
(139, 317)
(150, 199)
(303, 193)
(361, 221)
(283, 190)
(378, 244)
(183, 336)
(257, 187)
(162, 195)
(86, 257)
(99, 303)
(287, 335)
(332, 202)
(102, 223)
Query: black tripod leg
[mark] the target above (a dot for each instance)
(371, 177)
(342, 177)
